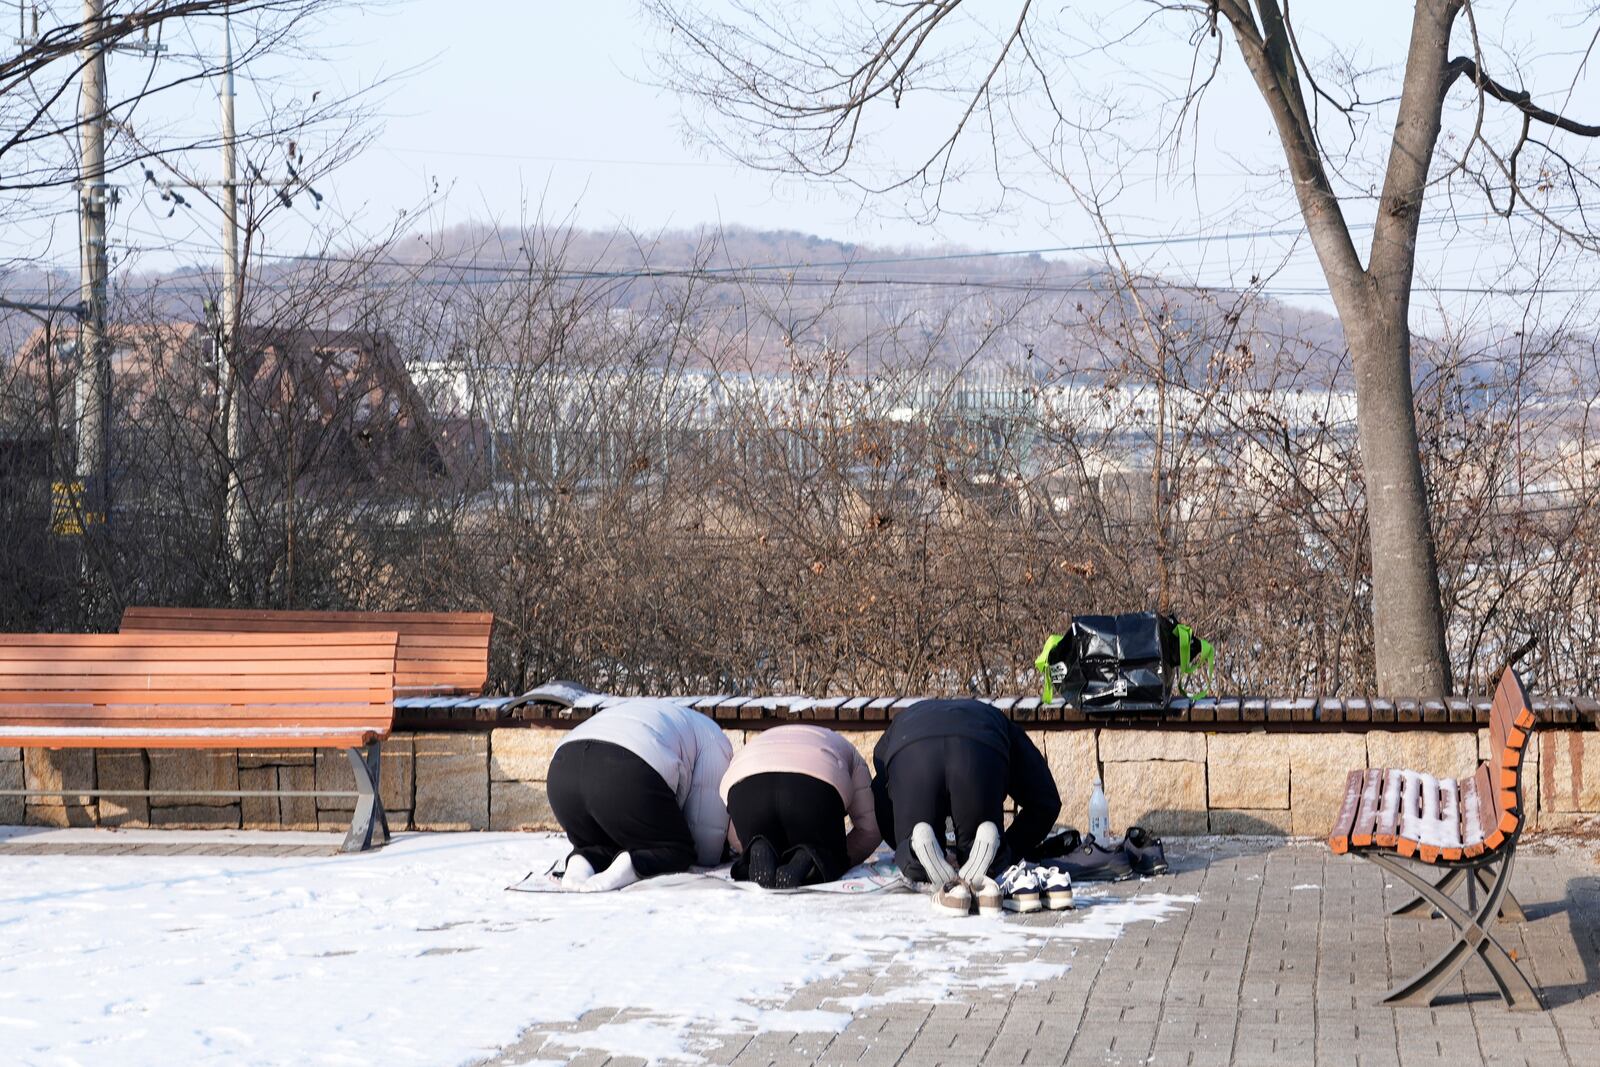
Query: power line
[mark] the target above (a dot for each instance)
(778, 274)
(980, 284)
(943, 257)
(1129, 242)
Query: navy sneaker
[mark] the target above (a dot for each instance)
(1144, 852)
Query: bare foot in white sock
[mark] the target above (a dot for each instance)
(578, 872)
(619, 874)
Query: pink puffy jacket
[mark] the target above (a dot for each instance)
(816, 752)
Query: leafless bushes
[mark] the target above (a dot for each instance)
(702, 483)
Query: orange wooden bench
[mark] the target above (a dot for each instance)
(440, 653)
(1468, 829)
(163, 690)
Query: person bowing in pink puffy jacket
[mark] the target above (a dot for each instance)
(788, 791)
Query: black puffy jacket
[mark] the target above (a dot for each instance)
(1029, 781)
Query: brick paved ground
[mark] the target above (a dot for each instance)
(45, 841)
(1278, 964)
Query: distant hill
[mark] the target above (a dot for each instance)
(954, 308)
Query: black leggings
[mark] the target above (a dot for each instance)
(941, 778)
(608, 800)
(795, 813)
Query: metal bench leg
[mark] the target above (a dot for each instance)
(1472, 937)
(373, 756)
(1446, 884)
(1510, 909)
(368, 817)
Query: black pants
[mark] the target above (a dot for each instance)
(795, 813)
(608, 800)
(941, 778)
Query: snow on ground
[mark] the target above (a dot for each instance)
(417, 955)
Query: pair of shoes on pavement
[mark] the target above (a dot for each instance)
(1086, 860)
(960, 892)
(1090, 861)
(1029, 887)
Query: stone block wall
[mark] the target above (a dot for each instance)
(11, 778)
(1172, 781)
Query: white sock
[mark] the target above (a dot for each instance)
(985, 847)
(579, 871)
(925, 845)
(619, 874)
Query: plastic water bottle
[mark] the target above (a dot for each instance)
(1099, 814)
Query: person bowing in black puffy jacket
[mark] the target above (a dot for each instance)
(959, 760)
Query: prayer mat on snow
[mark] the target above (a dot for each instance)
(876, 875)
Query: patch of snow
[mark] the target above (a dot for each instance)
(648, 1039)
(416, 955)
(1438, 823)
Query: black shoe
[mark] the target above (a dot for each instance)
(1144, 852)
(797, 870)
(1089, 862)
(1057, 844)
(763, 863)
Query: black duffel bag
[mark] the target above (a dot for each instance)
(1110, 662)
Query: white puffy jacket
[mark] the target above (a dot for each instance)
(686, 748)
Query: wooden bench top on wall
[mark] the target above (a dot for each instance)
(1215, 713)
(440, 653)
(164, 690)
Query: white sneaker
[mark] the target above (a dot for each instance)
(1021, 888)
(1056, 887)
(991, 901)
(954, 899)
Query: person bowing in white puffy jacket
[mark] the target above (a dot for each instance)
(635, 788)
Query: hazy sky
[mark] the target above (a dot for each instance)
(512, 108)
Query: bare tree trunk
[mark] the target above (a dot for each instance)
(1374, 304)
(1406, 617)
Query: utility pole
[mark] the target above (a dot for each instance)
(93, 386)
(228, 335)
(24, 38)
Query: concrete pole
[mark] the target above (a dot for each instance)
(233, 383)
(93, 386)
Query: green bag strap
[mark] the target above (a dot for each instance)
(1187, 663)
(1042, 665)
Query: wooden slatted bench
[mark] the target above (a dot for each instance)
(1468, 829)
(440, 653)
(211, 690)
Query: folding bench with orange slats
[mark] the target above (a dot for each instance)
(194, 690)
(440, 653)
(1468, 829)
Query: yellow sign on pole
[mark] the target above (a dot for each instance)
(67, 517)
